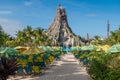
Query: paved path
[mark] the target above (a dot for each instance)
(67, 68)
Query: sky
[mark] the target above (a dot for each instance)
(84, 16)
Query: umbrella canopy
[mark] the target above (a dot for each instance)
(49, 48)
(90, 47)
(102, 47)
(64, 49)
(56, 48)
(114, 49)
(33, 50)
(9, 51)
(21, 48)
(78, 47)
(105, 47)
(46, 48)
(99, 48)
(73, 48)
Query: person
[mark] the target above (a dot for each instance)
(67, 47)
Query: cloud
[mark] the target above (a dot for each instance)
(26, 3)
(10, 26)
(5, 12)
(91, 15)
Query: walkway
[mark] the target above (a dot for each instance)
(67, 68)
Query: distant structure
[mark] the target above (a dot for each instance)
(87, 36)
(108, 28)
(60, 32)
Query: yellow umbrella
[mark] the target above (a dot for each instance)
(33, 50)
(105, 47)
(21, 48)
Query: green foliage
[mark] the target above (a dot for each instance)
(97, 70)
(97, 40)
(11, 43)
(26, 37)
(7, 67)
(102, 67)
(32, 37)
(3, 37)
(113, 74)
(114, 38)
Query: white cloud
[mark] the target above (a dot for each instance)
(26, 3)
(5, 12)
(91, 15)
(10, 26)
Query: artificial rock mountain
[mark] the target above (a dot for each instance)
(60, 32)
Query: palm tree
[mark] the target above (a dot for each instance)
(115, 35)
(24, 37)
(114, 38)
(20, 38)
(28, 32)
(97, 37)
(3, 37)
(38, 35)
(32, 37)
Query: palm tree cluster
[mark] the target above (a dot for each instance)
(114, 38)
(32, 37)
(26, 37)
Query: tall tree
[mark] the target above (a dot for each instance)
(28, 32)
(114, 38)
(3, 37)
(32, 37)
(38, 35)
(20, 38)
(97, 40)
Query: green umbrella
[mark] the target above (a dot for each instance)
(90, 47)
(46, 48)
(49, 48)
(73, 48)
(114, 49)
(9, 51)
(43, 48)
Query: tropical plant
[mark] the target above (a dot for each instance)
(104, 66)
(20, 38)
(38, 35)
(7, 67)
(3, 37)
(32, 37)
(114, 38)
(97, 40)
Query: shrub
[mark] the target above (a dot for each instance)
(104, 66)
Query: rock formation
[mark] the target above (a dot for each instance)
(60, 32)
